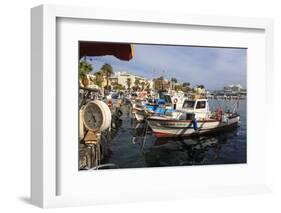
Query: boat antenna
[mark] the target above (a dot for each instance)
(238, 101)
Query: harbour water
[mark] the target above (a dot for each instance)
(134, 147)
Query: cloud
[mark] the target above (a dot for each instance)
(212, 67)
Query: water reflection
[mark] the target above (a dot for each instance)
(185, 151)
(134, 146)
(177, 152)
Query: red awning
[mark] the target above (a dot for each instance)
(121, 51)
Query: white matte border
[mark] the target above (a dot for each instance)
(46, 195)
(138, 181)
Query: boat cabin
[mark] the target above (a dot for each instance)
(164, 99)
(198, 107)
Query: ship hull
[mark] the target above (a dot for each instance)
(168, 128)
(139, 116)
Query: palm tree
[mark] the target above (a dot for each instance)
(84, 69)
(137, 82)
(129, 82)
(108, 71)
(186, 84)
(99, 78)
(173, 81)
(118, 87)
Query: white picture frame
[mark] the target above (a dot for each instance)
(44, 154)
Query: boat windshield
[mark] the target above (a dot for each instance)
(188, 104)
(167, 99)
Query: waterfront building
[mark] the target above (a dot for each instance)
(232, 88)
(161, 84)
(122, 79)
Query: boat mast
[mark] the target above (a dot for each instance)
(235, 109)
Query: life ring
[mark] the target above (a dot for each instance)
(175, 101)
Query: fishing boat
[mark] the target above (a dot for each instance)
(166, 103)
(150, 110)
(158, 106)
(143, 112)
(195, 118)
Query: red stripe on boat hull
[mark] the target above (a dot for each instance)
(202, 132)
(162, 135)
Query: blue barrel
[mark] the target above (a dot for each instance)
(194, 123)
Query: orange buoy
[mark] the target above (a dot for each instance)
(109, 103)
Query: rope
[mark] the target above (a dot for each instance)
(144, 138)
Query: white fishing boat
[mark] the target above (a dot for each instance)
(170, 103)
(195, 118)
(142, 113)
(178, 99)
(147, 109)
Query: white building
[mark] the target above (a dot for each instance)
(122, 79)
(232, 88)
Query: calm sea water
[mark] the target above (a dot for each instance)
(128, 149)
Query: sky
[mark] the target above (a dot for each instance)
(210, 66)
